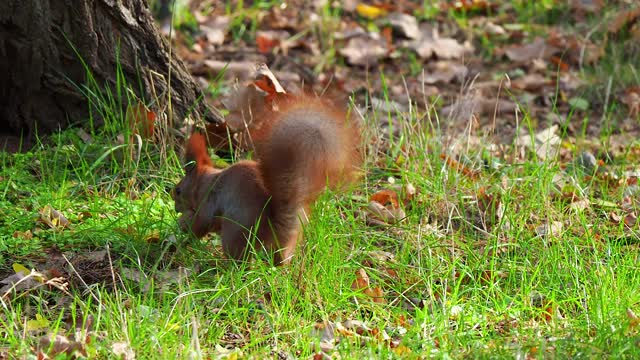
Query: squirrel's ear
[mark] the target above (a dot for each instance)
(196, 152)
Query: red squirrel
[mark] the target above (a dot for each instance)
(303, 147)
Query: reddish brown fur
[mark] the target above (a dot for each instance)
(305, 146)
(197, 151)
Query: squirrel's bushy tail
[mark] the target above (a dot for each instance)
(311, 145)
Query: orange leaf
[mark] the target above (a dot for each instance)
(459, 167)
(362, 280)
(265, 44)
(385, 197)
(563, 66)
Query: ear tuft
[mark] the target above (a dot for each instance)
(197, 151)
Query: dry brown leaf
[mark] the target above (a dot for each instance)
(405, 24)
(377, 294)
(630, 219)
(326, 332)
(27, 235)
(444, 72)
(387, 215)
(457, 166)
(241, 70)
(531, 82)
(362, 283)
(215, 28)
(247, 105)
(591, 6)
(267, 40)
(364, 50)
(634, 320)
(357, 326)
(52, 218)
(266, 81)
(52, 345)
(18, 282)
(631, 98)
(623, 18)
(477, 105)
(430, 43)
(136, 276)
(552, 229)
(362, 280)
(123, 350)
(545, 143)
(538, 49)
(386, 197)
(84, 136)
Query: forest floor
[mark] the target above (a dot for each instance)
(496, 216)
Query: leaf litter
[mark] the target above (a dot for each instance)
(450, 61)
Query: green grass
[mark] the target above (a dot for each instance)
(470, 274)
(482, 288)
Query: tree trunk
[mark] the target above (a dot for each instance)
(48, 48)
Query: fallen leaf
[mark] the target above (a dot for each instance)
(84, 136)
(215, 28)
(623, 18)
(405, 24)
(477, 105)
(153, 237)
(381, 256)
(357, 326)
(377, 294)
(531, 82)
(550, 229)
(591, 6)
(634, 320)
(53, 345)
(386, 197)
(457, 166)
(20, 269)
(240, 70)
(326, 332)
(402, 351)
(52, 218)
(267, 82)
(385, 215)
(362, 280)
(364, 50)
(242, 104)
(631, 98)
(123, 350)
(545, 143)
(27, 235)
(370, 12)
(472, 5)
(136, 276)
(444, 72)
(538, 49)
(579, 103)
(39, 323)
(342, 330)
(430, 43)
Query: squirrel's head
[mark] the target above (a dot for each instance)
(197, 163)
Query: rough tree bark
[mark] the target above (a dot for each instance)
(40, 70)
